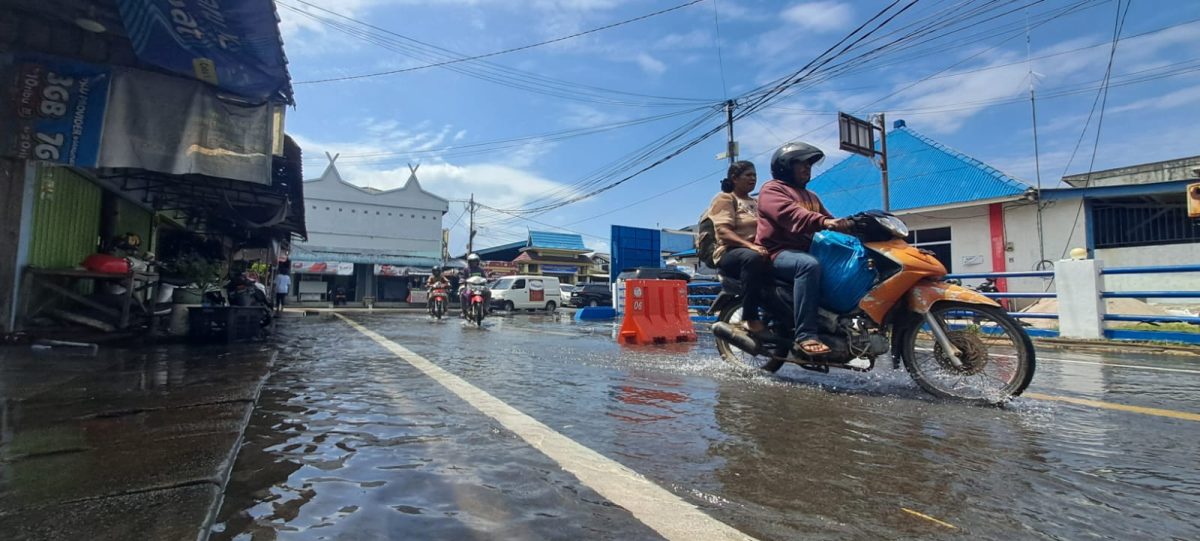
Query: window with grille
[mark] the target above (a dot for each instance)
(936, 240)
(1123, 223)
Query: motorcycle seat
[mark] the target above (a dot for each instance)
(736, 287)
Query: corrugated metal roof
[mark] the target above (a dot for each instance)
(556, 241)
(922, 173)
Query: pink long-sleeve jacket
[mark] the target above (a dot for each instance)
(788, 217)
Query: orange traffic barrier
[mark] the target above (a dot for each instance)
(656, 312)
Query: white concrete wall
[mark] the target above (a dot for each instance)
(342, 216)
(1059, 218)
(1141, 256)
(1063, 230)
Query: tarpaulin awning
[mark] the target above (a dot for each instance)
(96, 116)
(234, 45)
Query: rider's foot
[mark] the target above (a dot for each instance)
(811, 347)
(755, 329)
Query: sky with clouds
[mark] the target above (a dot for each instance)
(523, 128)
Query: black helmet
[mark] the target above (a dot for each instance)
(437, 269)
(784, 158)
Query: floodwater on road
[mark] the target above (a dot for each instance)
(350, 441)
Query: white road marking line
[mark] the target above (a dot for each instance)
(654, 506)
(1134, 366)
(1095, 363)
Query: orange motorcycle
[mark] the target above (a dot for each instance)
(881, 295)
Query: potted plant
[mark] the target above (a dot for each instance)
(197, 273)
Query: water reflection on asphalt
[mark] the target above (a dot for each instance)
(351, 442)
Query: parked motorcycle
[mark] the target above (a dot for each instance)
(242, 291)
(953, 341)
(476, 308)
(438, 300)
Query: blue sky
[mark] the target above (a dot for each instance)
(625, 87)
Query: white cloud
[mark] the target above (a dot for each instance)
(649, 64)
(694, 39)
(505, 182)
(824, 16)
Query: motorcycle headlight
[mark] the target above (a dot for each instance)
(895, 225)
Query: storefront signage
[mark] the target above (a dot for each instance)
(500, 268)
(559, 269)
(52, 109)
(391, 270)
(323, 267)
(231, 44)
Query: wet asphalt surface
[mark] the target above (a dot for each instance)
(350, 442)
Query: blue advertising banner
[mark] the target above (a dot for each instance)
(559, 269)
(52, 109)
(230, 44)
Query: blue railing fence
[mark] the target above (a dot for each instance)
(702, 294)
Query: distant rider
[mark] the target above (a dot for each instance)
(437, 280)
(474, 268)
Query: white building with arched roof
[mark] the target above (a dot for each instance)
(370, 244)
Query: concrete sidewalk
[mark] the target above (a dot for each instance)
(127, 444)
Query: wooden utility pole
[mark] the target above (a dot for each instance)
(471, 233)
(731, 146)
(883, 164)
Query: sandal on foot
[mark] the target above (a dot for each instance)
(811, 347)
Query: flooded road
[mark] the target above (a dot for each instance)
(350, 441)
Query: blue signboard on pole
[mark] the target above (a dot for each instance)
(634, 247)
(52, 109)
(231, 44)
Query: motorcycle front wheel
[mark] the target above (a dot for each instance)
(733, 316)
(996, 356)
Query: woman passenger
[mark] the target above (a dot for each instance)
(734, 214)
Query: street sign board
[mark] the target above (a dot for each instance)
(856, 135)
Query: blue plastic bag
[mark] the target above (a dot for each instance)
(846, 271)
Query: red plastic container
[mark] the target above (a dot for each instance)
(105, 263)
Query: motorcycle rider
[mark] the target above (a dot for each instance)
(789, 216)
(474, 268)
(437, 280)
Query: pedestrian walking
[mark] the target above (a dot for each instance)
(283, 285)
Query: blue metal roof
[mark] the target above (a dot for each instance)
(922, 173)
(504, 252)
(556, 241)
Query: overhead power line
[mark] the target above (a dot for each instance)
(482, 69)
(500, 52)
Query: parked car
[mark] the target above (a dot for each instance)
(527, 293)
(567, 290)
(592, 295)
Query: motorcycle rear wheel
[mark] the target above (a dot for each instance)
(476, 314)
(733, 315)
(998, 358)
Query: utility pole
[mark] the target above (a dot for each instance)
(731, 147)
(883, 165)
(471, 233)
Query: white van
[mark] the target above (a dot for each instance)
(526, 293)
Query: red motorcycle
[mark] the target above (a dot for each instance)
(476, 299)
(438, 299)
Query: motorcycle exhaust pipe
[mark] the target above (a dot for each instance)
(740, 340)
